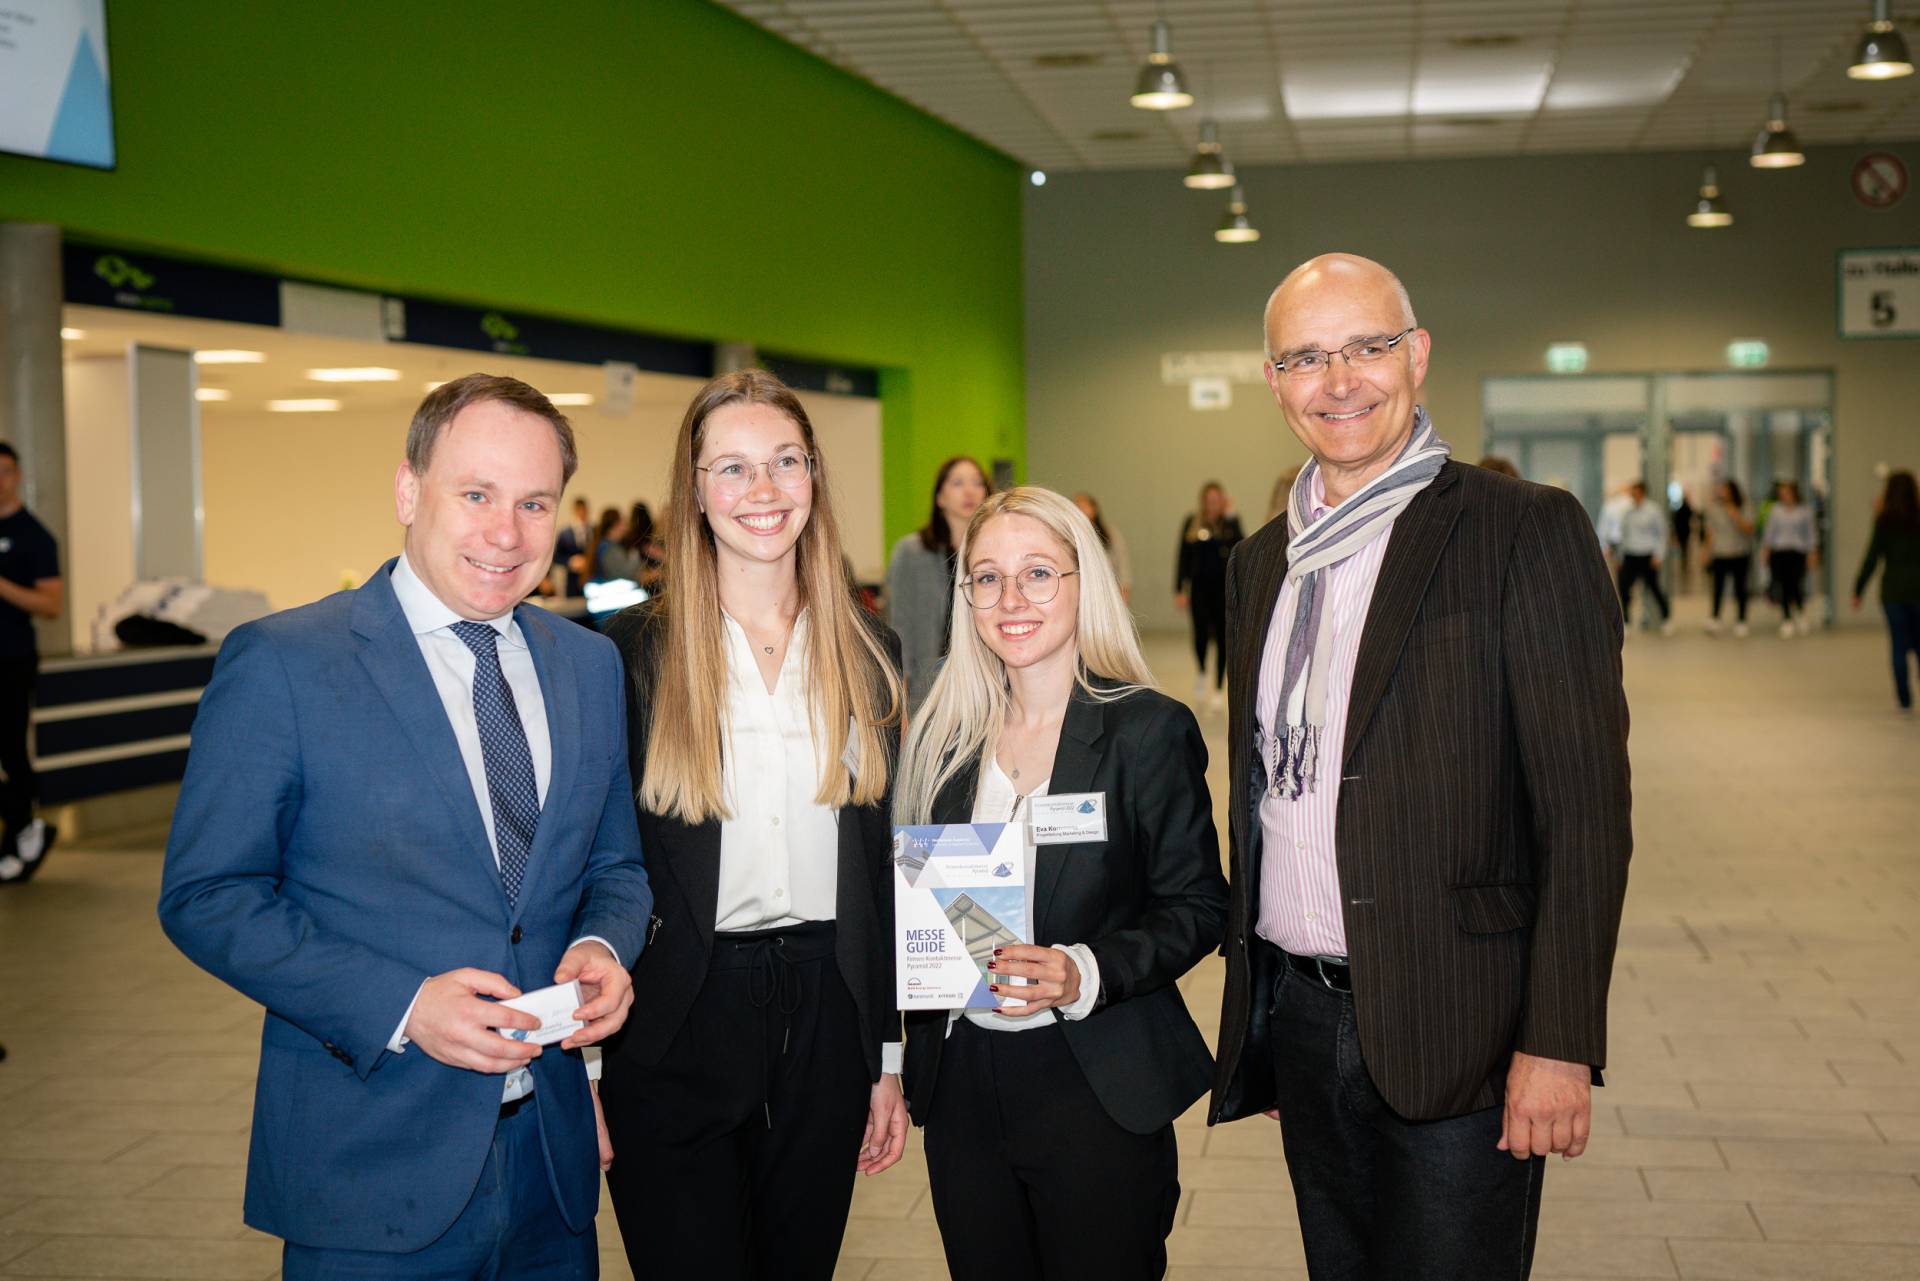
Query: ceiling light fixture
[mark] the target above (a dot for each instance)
(1211, 170)
(70, 334)
(1161, 87)
(1882, 51)
(1775, 146)
(1710, 210)
(571, 398)
(1236, 228)
(361, 374)
(205, 394)
(314, 406)
(221, 356)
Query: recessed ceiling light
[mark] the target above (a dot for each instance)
(1118, 135)
(71, 334)
(1834, 107)
(223, 356)
(362, 374)
(571, 398)
(204, 394)
(316, 406)
(1485, 40)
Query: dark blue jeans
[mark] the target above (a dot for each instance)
(510, 1231)
(1382, 1198)
(1903, 627)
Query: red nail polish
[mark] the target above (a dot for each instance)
(993, 987)
(996, 951)
(993, 965)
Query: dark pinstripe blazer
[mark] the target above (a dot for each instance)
(1482, 833)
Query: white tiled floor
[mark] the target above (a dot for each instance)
(1762, 1121)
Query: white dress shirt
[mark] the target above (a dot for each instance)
(779, 846)
(1300, 905)
(452, 666)
(996, 801)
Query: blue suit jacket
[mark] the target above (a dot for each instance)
(328, 854)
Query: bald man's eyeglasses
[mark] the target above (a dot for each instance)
(1359, 352)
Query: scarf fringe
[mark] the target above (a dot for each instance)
(1298, 766)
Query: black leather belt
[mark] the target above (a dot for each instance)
(1331, 974)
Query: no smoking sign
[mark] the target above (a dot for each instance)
(1879, 180)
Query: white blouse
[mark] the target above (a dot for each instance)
(780, 850)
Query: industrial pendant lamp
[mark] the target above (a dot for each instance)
(1236, 228)
(1710, 210)
(1161, 87)
(1210, 170)
(1882, 52)
(1775, 147)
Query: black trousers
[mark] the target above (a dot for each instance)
(1381, 1198)
(1789, 571)
(18, 792)
(1031, 1179)
(1731, 571)
(1207, 611)
(1639, 569)
(733, 1158)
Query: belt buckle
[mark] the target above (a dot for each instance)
(1326, 980)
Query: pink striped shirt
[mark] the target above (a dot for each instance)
(1300, 904)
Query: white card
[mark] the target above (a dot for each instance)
(1069, 817)
(554, 1007)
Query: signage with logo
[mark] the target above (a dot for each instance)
(104, 276)
(1567, 358)
(1748, 353)
(441, 324)
(1234, 366)
(1879, 293)
(808, 375)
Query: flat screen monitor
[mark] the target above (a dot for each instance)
(56, 102)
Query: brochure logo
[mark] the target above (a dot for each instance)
(1086, 807)
(1003, 869)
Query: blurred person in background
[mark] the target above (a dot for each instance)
(1207, 538)
(920, 574)
(1896, 545)
(1277, 500)
(1111, 540)
(1788, 546)
(608, 557)
(1729, 541)
(1684, 521)
(640, 540)
(1643, 539)
(30, 587)
(571, 546)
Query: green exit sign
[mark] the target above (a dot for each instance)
(1747, 353)
(1567, 358)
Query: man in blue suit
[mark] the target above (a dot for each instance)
(401, 801)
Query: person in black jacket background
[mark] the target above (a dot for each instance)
(1049, 1123)
(1207, 538)
(760, 1069)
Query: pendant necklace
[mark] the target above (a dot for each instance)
(768, 648)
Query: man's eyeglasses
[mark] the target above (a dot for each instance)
(1037, 585)
(1361, 351)
(790, 469)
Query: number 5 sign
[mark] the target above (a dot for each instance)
(1879, 294)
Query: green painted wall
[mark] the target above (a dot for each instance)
(661, 164)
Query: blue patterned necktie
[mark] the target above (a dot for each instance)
(503, 746)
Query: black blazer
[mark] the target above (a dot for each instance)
(683, 863)
(1148, 902)
(1483, 828)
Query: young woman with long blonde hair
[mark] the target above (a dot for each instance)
(760, 1067)
(1049, 1122)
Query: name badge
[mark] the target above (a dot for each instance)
(1070, 817)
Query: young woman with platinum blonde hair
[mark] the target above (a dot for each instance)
(1049, 1122)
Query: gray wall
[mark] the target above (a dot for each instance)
(1500, 255)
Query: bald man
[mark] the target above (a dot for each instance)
(1429, 820)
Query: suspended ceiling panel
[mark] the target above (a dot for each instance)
(1046, 81)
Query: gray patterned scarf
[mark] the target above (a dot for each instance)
(1301, 714)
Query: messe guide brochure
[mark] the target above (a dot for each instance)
(959, 891)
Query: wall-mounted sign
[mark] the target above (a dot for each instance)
(811, 375)
(1209, 393)
(440, 324)
(1747, 353)
(1879, 293)
(1879, 180)
(1567, 358)
(1234, 366)
(105, 276)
